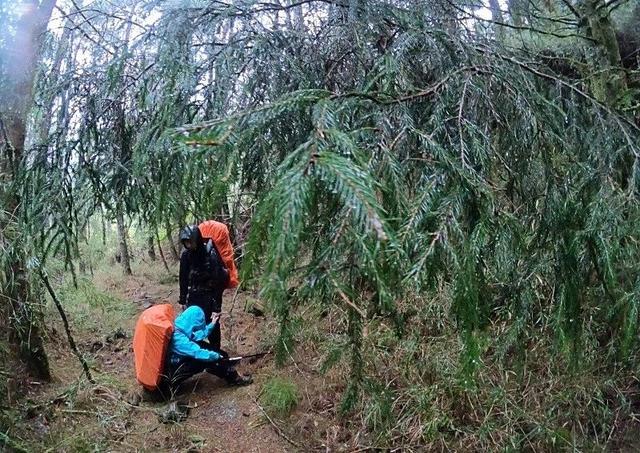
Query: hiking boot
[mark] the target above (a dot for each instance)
(241, 380)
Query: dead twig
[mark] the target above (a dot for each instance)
(346, 300)
(278, 430)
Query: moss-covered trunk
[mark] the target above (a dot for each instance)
(21, 313)
(607, 79)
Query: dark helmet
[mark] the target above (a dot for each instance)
(191, 234)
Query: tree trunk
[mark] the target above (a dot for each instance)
(164, 261)
(122, 157)
(496, 16)
(123, 248)
(496, 12)
(44, 113)
(22, 52)
(151, 250)
(172, 246)
(608, 78)
(26, 320)
(103, 222)
(299, 17)
(289, 19)
(518, 10)
(354, 6)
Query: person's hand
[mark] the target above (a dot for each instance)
(215, 317)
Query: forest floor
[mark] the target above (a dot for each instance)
(69, 414)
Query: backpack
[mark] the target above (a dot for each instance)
(151, 343)
(211, 273)
(219, 233)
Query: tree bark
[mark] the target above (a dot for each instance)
(164, 261)
(299, 17)
(172, 246)
(608, 78)
(122, 157)
(103, 223)
(21, 58)
(518, 10)
(44, 114)
(354, 6)
(496, 16)
(123, 248)
(25, 323)
(151, 250)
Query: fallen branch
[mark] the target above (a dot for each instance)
(67, 329)
(278, 430)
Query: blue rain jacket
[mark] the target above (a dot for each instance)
(190, 327)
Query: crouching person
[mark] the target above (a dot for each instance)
(187, 356)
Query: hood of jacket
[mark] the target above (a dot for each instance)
(191, 323)
(192, 233)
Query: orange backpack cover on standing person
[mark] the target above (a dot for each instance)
(219, 234)
(150, 343)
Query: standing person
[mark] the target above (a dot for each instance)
(206, 270)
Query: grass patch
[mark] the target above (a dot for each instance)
(279, 396)
(91, 309)
(165, 279)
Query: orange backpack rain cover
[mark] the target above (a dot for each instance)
(219, 233)
(150, 343)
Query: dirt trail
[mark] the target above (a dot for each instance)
(221, 418)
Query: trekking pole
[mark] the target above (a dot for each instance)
(233, 304)
(244, 357)
(235, 298)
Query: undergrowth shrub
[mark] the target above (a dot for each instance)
(279, 396)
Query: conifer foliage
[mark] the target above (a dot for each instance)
(433, 181)
(441, 160)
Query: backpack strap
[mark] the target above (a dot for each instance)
(210, 247)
